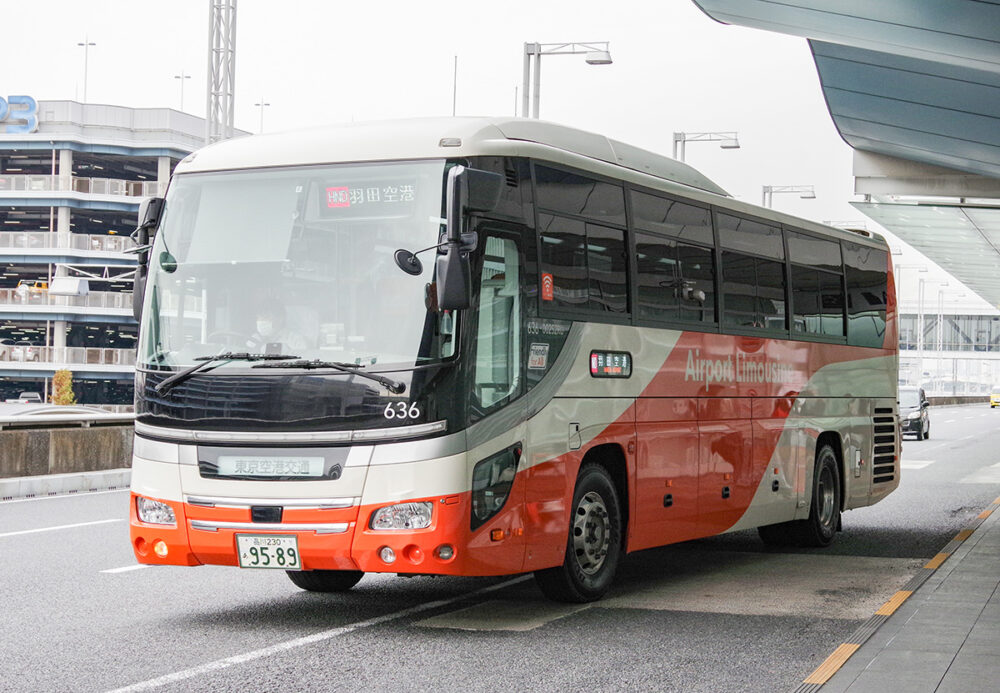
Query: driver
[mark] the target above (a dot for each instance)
(273, 335)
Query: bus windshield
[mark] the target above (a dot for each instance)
(297, 261)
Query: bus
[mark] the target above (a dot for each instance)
(481, 347)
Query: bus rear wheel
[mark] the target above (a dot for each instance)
(821, 527)
(594, 545)
(325, 580)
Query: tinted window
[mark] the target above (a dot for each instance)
(748, 236)
(754, 292)
(606, 269)
(671, 218)
(572, 193)
(817, 252)
(817, 302)
(676, 280)
(866, 271)
(586, 263)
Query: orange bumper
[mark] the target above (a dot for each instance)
(496, 548)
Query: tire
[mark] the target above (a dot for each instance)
(820, 529)
(927, 431)
(325, 580)
(594, 544)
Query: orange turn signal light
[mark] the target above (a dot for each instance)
(497, 535)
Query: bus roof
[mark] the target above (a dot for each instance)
(430, 138)
(450, 138)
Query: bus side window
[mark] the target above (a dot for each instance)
(497, 374)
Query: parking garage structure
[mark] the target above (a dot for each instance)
(72, 176)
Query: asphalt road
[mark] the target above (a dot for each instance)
(723, 614)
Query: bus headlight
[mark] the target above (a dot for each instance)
(154, 512)
(403, 516)
(492, 479)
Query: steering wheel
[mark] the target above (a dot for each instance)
(226, 333)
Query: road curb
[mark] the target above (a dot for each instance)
(58, 484)
(832, 664)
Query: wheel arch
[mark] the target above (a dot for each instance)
(612, 457)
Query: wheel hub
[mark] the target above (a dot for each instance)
(591, 532)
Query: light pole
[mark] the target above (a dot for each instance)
(806, 192)
(596, 52)
(87, 43)
(261, 105)
(730, 140)
(182, 76)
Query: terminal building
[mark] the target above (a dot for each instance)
(72, 176)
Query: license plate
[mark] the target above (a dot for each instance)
(279, 551)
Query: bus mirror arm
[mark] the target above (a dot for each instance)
(149, 216)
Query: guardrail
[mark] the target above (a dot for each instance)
(18, 353)
(72, 420)
(41, 297)
(46, 240)
(22, 182)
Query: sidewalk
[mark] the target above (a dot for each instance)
(941, 632)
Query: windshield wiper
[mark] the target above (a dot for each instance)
(394, 386)
(206, 361)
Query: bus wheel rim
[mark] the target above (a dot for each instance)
(591, 532)
(826, 497)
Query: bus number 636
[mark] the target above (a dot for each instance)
(399, 410)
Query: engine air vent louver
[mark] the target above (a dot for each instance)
(885, 429)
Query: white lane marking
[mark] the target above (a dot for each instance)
(307, 640)
(951, 420)
(915, 464)
(137, 566)
(986, 475)
(79, 494)
(52, 529)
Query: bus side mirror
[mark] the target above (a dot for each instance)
(150, 210)
(468, 190)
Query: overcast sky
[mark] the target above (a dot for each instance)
(320, 62)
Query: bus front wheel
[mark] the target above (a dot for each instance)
(325, 580)
(821, 527)
(594, 545)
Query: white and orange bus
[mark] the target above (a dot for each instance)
(494, 346)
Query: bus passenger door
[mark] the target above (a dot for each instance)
(666, 507)
(727, 482)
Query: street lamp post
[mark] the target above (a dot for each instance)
(182, 76)
(806, 192)
(261, 105)
(730, 140)
(596, 52)
(87, 43)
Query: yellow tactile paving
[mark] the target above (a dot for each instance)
(890, 606)
(828, 668)
(936, 562)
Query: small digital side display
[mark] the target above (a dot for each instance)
(610, 364)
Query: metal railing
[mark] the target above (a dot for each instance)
(77, 241)
(22, 182)
(91, 356)
(23, 295)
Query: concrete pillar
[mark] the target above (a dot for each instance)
(162, 175)
(63, 227)
(65, 169)
(59, 333)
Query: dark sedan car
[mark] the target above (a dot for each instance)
(914, 412)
